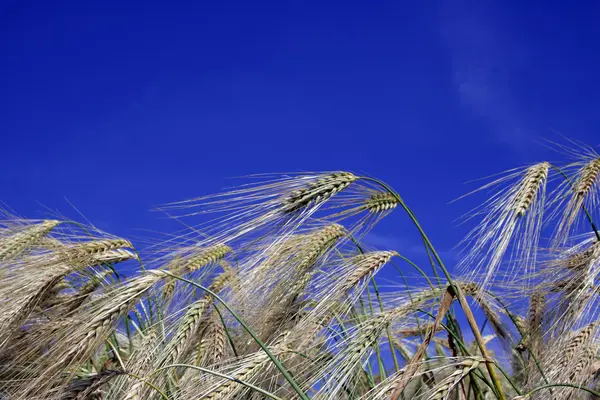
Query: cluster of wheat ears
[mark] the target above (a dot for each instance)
(274, 296)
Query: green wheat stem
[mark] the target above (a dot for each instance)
(271, 356)
(461, 298)
(220, 375)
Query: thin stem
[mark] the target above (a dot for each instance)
(514, 321)
(585, 389)
(220, 375)
(388, 329)
(116, 351)
(463, 347)
(274, 359)
(382, 371)
(229, 338)
(460, 296)
(389, 332)
(415, 266)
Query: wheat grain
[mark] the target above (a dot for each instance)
(204, 258)
(443, 390)
(213, 341)
(190, 323)
(89, 287)
(317, 243)
(381, 201)
(585, 359)
(317, 191)
(573, 345)
(587, 178)
(82, 389)
(534, 178)
(16, 243)
(93, 248)
(580, 261)
(364, 264)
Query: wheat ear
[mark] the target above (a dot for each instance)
(529, 187)
(88, 288)
(443, 390)
(573, 346)
(214, 341)
(365, 264)
(189, 325)
(210, 255)
(113, 304)
(587, 178)
(381, 201)
(317, 191)
(13, 245)
(84, 389)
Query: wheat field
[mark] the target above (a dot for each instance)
(274, 295)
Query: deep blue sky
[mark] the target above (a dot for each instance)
(118, 105)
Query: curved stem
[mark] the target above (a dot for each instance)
(459, 295)
(583, 388)
(274, 359)
(376, 288)
(514, 321)
(463, 347)
(415, 266)
(220, 375)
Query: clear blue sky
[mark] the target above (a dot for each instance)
(120, 105)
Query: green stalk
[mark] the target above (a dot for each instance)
(215, 373)
(460, 296)
(387, 328)
(463, 347)
(512, 318)
(415, 266)
(235, 353)
(288, 377)
(583, 388)
(370, 375)
(382, 371)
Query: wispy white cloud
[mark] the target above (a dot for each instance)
(485, 58)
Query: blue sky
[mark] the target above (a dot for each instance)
(118, 106)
